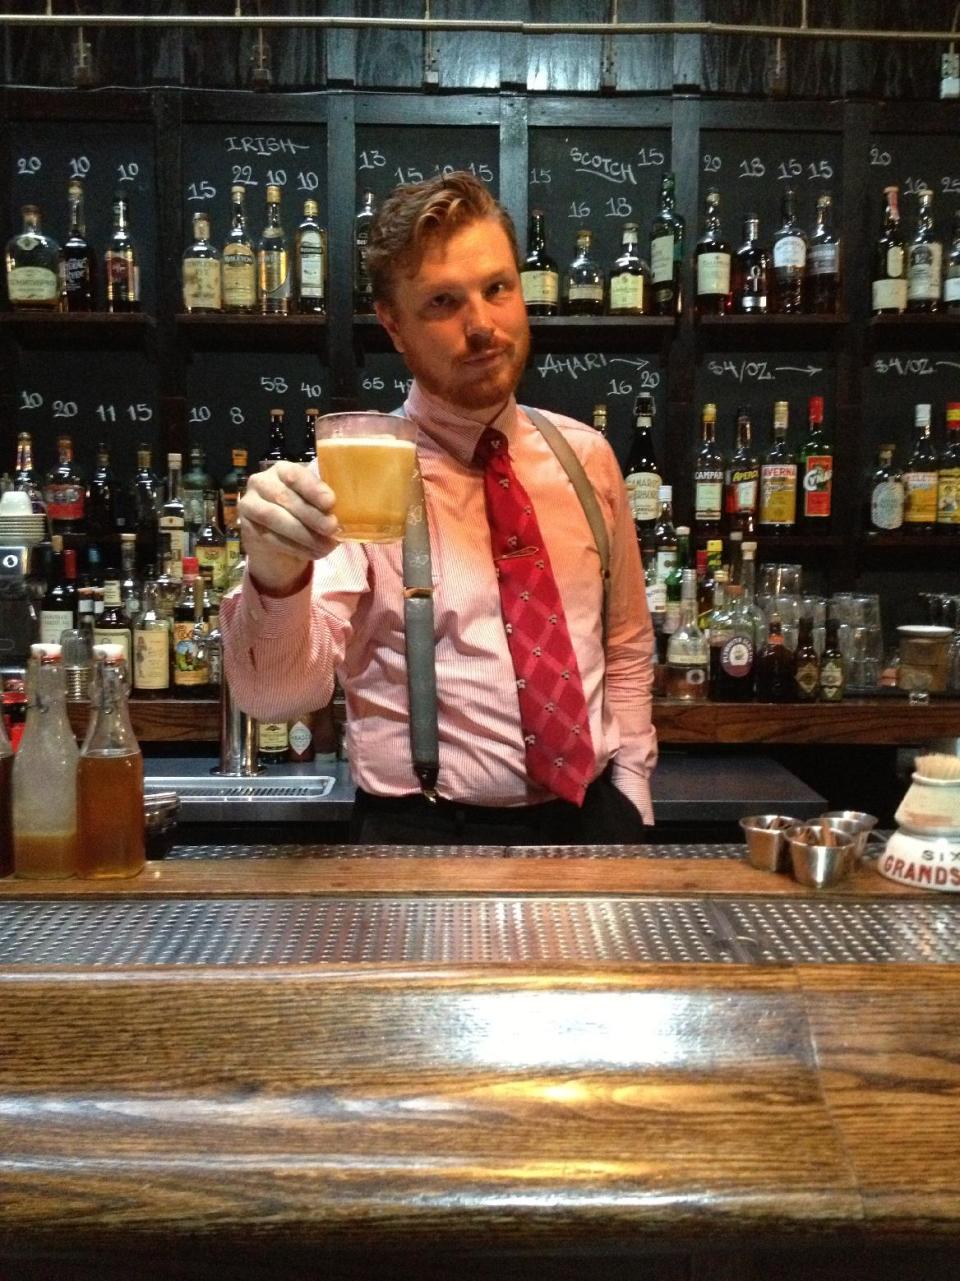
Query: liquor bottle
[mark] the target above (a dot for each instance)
(823, 262)
(778, 479)
(131, 588)
(114, 627)
(815, 473)
(539, 278)
(146, 502)
(714, 262)
(308, 454)
(583, 283)
(167, 585)
(202, 281)
(743, 479)
(171, 522)
(25, 477)
(775, 682)
(277, 449)
(951, 272)
(101, 503)
(121, 267)
(672, 591)
(920, 478)
(751, 272)
(733, 650)
(889, 287)
(708, 476)
(629, 277)
(210, 547)
(362, 284)
(687, 655)
(600, 418)
(748, 604)
(885, 499)
(195, 483)
(232, 487)
(948, 484)
(6, 802)
(806, 664)
(77, 259)
(273, 261)
(151, 648)
(709, 564)
(56, 609)
(665, 535)
(311, 262)
(64, 492)
(44, 789)
(924, 260)
(641, 473)
(190, 675)
(789, 258)
(33, 266)
(273, 742)
(833, 674)
(666, 253)
(238, 262)
(110, 827)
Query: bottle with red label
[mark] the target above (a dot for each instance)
(64, 492)
(742, 483)
(816, 474)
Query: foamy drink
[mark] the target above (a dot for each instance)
(370, 478)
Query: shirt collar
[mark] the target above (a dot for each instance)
(452, 429)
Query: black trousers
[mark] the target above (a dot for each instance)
(607, 817)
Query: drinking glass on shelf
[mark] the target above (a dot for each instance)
(780, 580)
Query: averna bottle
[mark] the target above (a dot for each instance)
(539, 278)
(583, 284)
(823, 262)
(77, 259)
(714, 261)
(888, 295)
(121, 266)
(641, 473)
(751, 272)
(629, 277)
(924, 260)
(45, 776)
(273, 260)
(789, 258)
(33, 266)
(778, 479)
(666, 253)
(110, 823)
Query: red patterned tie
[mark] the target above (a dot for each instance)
(553, 710)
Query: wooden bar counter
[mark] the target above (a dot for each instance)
(702, 1122)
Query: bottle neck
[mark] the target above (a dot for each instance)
(173, 481)
(537, 234)
(110, 728)
(120, 216)
(78, 227)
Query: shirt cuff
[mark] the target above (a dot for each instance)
(636, 788)
(274, 616)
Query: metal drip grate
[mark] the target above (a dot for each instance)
(475, 930)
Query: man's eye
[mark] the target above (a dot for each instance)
(440, 301)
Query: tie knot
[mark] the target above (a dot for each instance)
(490, 444)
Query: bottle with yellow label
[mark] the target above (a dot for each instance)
(778, 479)
(202, 290)
(948, 487)
(190, 675)
(920, 478)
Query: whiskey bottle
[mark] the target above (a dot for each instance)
(273, 742)
(666, 253)
(665, 540)
(924, 260)
(311, 262)
(202, 278)
(629, 278)
(273, 261)
(33, 266)
(64, 492)
(362, 284)
(102, 501)
(789, 258)
(121, 267)
(951, 273)
(277, 449)
(641, 473)
(920, 478)
(708, 477)
(888, 295)
(583, 284)
(146, 502)
(743, 479)
(823, 262)
(688, 657)
(77, 259)
(539, 278)
(884, 512)
(114, 627)
(171, 523)
(815, 473)
(948, 483)
(778, 479)
(25, 478)
(751, 272)
(714, 261)
(238, 264)
(151, 648)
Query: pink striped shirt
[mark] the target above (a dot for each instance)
(283, 653)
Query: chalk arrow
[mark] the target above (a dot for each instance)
(810, 370)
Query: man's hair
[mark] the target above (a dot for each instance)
(416, 213)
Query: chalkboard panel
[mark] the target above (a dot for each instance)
(914, 162)
(752, 169)
(230, 395)
(110, 400)
(595, 178)
(45, 156)
(391, 154)
(896, 381)
(219, 156)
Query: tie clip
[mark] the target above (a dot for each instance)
(521, 551)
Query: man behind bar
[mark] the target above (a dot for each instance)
(545, 732)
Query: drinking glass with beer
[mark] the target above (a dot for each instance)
(368, 460)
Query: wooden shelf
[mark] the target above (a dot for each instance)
(908, 543)
(229, 332)
(939, 331)
(612, 333)
(164, 720)
(773, 332)
(81, 329)
(892, 721)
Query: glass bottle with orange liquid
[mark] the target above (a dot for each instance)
(6, 820)
(110, 777)
(45, 776)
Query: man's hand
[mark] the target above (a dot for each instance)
(286, 523)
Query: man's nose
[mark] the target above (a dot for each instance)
(478, 323)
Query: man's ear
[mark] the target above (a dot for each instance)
(386, 318)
